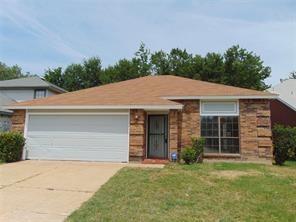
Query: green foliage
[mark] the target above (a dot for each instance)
(11, 72)
(244, 69)
(11, 146)
(77, 76)
(292, 75)
(236, 67)
(198, 145)
(188, 154)
(284, 141)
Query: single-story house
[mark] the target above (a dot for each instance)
(283, 109)
(149, 117)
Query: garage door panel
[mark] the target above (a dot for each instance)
(94, 138)
(70, 154)
(78, 123)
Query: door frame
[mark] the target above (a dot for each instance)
(166, 148)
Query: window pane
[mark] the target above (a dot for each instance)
(230, 145)
(209, 126)
(229, 126)
(212, 145)
(40, 93)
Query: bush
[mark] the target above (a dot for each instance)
(198, 145)
(188, 154)
(11, 146)
(284, 142)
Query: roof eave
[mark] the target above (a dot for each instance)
(272, 96)
(81, 107)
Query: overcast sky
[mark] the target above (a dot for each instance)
(46, 34)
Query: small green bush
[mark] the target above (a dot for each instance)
(284, 142)
(198, 145)
(188, 154)
(11, 146)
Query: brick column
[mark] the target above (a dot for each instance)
(255, 129)
(18, 121)
(190, 121)
(173, 131)
(137, 134)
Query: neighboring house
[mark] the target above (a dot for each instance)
(29, 88)
(283, 109)
(5, 114)
(23, 89)
(149, 117)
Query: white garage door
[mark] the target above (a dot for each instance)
(78, 137)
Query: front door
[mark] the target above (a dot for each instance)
(158, 136)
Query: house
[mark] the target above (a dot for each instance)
(22, 89)
(5, 113)
(149, 117)
(29, 88)
(283, 109)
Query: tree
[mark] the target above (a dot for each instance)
(77, 76)
(212, 68)
(160, 63)
(55, 76)
(142, 60)
(244, 69)
(123, 70)
(292, 75)
(11, 72)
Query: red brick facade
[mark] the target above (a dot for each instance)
(137, 142)
(255, 129)
(18, 121)
(254, 121)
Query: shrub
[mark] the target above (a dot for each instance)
(11, 146)
(198, 145)
(188, 154)
(284, 142)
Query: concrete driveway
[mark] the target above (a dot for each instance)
(49, 190)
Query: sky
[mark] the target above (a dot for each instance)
(40, 34)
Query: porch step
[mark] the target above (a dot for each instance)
(155, 161)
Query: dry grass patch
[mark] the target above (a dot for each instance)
(232, 174)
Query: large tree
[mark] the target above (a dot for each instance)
(244, 69)
(11, 72)
(77, 76)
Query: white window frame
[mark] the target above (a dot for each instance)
(219, 113)
(40, 90)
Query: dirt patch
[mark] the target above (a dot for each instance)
(232, 174)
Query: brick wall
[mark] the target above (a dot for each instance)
(18, 121)
(173, 131)
(137, 134)
(189, 122)
(255, 129)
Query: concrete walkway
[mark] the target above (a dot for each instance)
(49, 190)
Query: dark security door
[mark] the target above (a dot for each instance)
(157, 136)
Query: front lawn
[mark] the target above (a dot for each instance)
(205, 192)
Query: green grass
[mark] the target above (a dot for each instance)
(204, 192)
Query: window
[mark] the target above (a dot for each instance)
(39, 93)
(221, 134)
(212, 108)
